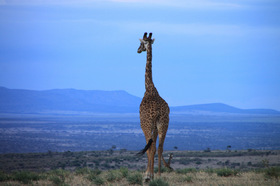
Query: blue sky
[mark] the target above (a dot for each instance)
(204, 51)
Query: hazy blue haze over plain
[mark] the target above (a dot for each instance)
(204, 52)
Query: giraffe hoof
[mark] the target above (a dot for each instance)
(147, 180)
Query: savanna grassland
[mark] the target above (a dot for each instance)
(97, 150)
(115, 167)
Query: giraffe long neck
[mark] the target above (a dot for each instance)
(149, 85)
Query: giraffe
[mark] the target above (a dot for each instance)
(154, 113)
(169, 161)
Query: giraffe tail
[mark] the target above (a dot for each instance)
(145, 149)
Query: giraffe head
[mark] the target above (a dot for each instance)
(145, 42)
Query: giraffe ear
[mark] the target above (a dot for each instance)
(141, 40)
(153, 41)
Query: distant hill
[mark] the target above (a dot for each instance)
(31, 101)
(220, 107)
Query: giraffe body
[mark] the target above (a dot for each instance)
(154, 113)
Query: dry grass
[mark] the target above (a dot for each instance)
(117, 177)
(203, 178)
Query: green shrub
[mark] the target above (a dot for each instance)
(96, 171)
(113, 175)
(135, 178)
(82, 171)
(25, 177)
(188, 179)
(158, 182)
(3, 177)
(226, 172)
(91, 176)
(57, 180)
(272, 172)
(94, 176)
(124, 171)
(58, 176)
(60, 172)
(98, 180)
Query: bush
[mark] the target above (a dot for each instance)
(124, 172)
(3, 177)
(95, 178)
(113, 175)
(58, 176)
(25, 177)
(272, 172)
(93, 174)
(82, 171)
(158, 182)
(188, 179)
(185, 171)
(135, 178)
(57, 180)
(226, 172)
(98, 180)
(209, 171)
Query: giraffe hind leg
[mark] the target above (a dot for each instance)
(162, 127)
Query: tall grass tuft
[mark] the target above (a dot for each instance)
(25, 177)
(93, 174)
(135, 178)
(124, 171)
(82, 171)
(158, 182)
(4, 177)
(99, 180)
(226, 172)
(58, 176)
(56, 180)
(272, 172)
(114, 175)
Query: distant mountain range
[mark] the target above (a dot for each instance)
(31, 101)
(222, 108)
